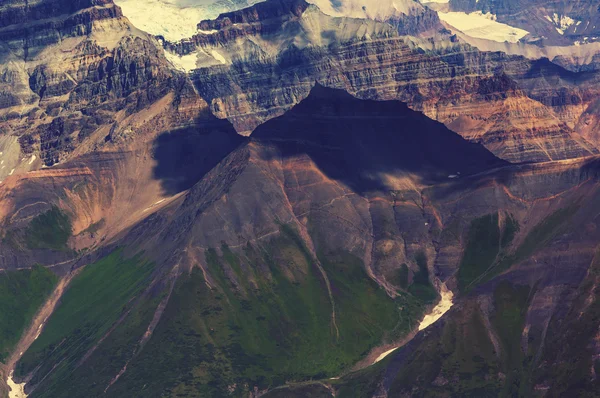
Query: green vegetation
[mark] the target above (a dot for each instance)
(486, 254)
(263, 318)
(399, 277)
(92, 377)
(458, 360)
(94, 301)
(539, 236)
(362, 383)
(49, 230)
(542, 233)
(421, 286)
(567, 360)
(511, 227)
(22, 293)
(266, 319)
(483, 245)
(511, 304)
(307, 391)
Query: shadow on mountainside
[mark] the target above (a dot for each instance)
(183, 156)
(359, 142)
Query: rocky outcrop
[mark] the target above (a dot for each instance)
(69, 68)
(520, 109)
(27, 26)
(347, 176)
(549, 22)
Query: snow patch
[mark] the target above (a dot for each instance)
(176, 19)
(378, 10)
(483, 26)
(436, 313)
(218, 56)
(16, 390)
(385, 354)
(440, 309)
(562, 22)
(186, 63)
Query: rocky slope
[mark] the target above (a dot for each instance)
(194, 261)
(67, 69)
(549, 22)
(487, 97)
(322, 236)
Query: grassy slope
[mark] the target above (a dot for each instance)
(21, 294)
(267, 320)
(460, 359)
(49, 230)
(421, 287)
(93, 302)
(481, 251)
(567, 360)
(486, 254)
(273, 327)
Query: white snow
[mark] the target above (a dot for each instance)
(483, 26)
(562, 22)
(385, 354)
(16, 390)
(218, 56)
(378, 10)
(440, 309)
(176, 19)
(185, 63)
(436, 313)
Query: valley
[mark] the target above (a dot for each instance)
(290, 198)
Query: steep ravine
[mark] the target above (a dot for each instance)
(17, 390)
(446, 302)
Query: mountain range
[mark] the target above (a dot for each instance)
(297, 198)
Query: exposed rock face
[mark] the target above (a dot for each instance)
(549, 22)
(407, 16)
(522, 110)
(344, 174)
(67, 68)
(39, 23)
(287, 255)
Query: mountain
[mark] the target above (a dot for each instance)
(176, 19)
(549, 22)
(313, 240)
(300, 199)
(487, 97)
(564, 31)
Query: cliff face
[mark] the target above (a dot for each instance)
(67, 68)
(522, 110)
(306, 214)
(319, 241)
(31, 24)
(549, 22)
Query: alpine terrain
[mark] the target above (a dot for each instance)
(299, 198)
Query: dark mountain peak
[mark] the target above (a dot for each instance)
(360, 141)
